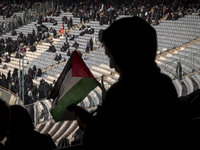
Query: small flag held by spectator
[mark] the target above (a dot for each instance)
(62, 30)
(73, 85)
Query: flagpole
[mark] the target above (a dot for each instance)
(102, 87)
(19, 74)
(23, 54)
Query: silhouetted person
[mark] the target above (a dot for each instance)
(141, 110)
(39, 72)
(22, 134)
(5, 120)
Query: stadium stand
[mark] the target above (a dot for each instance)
(178, 40)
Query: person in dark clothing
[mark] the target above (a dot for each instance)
(142, 109)
(75, 44)
(87, 49)
(22, 134)
(33, 48)
(91, 44)
(54, 33)
(34, 70)
(5, 119)
(39, 72)
(13, 32)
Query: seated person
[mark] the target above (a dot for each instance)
(76, 45)
(7, 59)
(55, 23)
(13, 32)
(32, 48)
(17, 55)
(51, 48)
(82, 27)
(65, 47)
(69, 52)
(54, 33)
(5, 66)
(46, 40)
(39, 72)
(82, 33)
(79, 52)
(43, 36)
(58, 57)
(72, 38)
(91, 31)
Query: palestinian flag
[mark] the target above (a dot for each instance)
(62, 30)
(164, 9)
(73, 85)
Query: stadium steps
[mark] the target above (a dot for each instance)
(47, 127)
(196, 77)
(39, 127)
(92, 100)
(55, 128)
(194, 82)
(98, 92)
(65, 126)
(176, 49)
(178, 86)
(189, 84)
(85, 103)
(67, 132)
(184, 89)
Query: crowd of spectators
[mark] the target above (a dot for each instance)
(32, 92)
(150, 10)
(7, 9)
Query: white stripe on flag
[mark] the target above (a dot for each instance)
(68, 83)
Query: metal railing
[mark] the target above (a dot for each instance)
(40, 111)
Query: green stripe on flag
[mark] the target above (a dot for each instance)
(75, 95)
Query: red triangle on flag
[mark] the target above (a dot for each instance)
(79, 68)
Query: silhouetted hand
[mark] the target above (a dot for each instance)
(82, 115)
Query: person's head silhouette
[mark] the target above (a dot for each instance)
(21, 122)
(127, 41)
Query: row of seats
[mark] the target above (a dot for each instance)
(176, 33)
(183, 30)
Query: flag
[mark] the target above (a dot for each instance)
(73, 85)
(62, 30)
(164, 9)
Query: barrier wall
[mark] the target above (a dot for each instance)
(9, 97)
